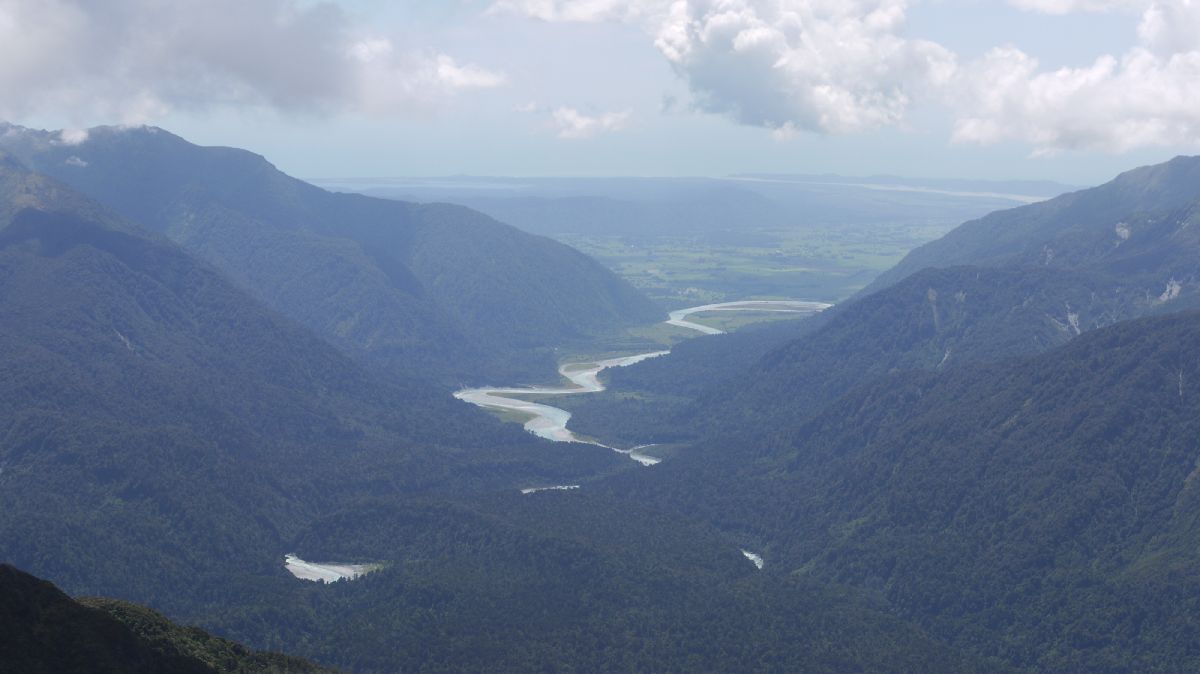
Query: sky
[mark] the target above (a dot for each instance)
(1068, 90)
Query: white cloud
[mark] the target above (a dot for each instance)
(388, 82)
(1149, 96)
(132, 60)
(570, 123)
(573, 124)
(467, 76)
(842, 66)
(582, 10)
(1069, 6)
(72, 137)
(830, 66)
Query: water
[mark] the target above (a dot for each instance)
(326, 572)
(549, 422)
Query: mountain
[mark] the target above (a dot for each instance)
(999, 440)
(164, 431)
(168, 439)
(1016, 282)
(433, 288)
(47, 631)
(1041, 511)
(1138, 226)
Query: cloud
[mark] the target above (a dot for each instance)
(131, 60)
(573, 124)
(388, 82)
(569, 123)
(844, 66)
(71, 137)
(828, 66)
(1070, 6)
(1148, 96)
(581, 10)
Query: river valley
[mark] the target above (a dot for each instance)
(550, 422)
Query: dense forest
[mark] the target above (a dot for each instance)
(986, 464)
(1039, 511)
(435, 290)
(136, 380)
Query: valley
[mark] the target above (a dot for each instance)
(550, 422)
(600, 337)
(688, 241)
(179, 417)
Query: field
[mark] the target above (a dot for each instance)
(817, 263)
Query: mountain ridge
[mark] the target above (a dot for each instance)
(433, 287)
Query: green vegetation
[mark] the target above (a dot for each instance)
(1032, 511)
(1015, 298)
(691, 241)
(165, 432)
(985, 467)
(810, 262)
(46, 631)
(567, 581)
(1137, 225)
(1037, 511)
(437, 291)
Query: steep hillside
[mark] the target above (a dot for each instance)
(1138, 225)
(162, 431)
(1016, 282)
(436, 288)
(1042, 511)
(46, 631)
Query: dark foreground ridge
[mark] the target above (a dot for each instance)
(47, 631)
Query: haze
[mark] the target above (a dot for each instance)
(979, 89)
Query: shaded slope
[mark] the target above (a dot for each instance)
(161, 431)
(47, 631)
(409, 286)
(1040, 511)
(1018, 281)
(221, 655)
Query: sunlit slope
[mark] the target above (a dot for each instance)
(1138, 226)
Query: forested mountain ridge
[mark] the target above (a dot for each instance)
(1136, 224)
(1015, 282)
(164, 431)
(1039, 276)
(1041, 510)
(433, 287)
(168, 439)
(46, 631)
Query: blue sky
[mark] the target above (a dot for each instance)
(1070, 90)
